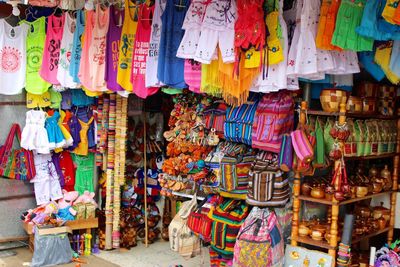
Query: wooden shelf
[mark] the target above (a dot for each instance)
(350, 115)
(358, 239)
(309, 241)
(387, 155)
(74, 225)
(344, 202)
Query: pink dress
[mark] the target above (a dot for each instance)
(97, 50)
(140, 52)
(51, 53)
(84, 65)
(192, 73)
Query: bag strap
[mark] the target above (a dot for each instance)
(15, 130)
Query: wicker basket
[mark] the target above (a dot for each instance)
(369, 105)
(367, 90)
(354, 104)
(388, 91)
(386, 106)
(331, 99)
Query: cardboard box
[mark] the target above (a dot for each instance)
(90, 211)
(80, 211)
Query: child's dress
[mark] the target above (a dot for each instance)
(46, 182)
(77, 46)
(83, 146)
(56, 138)
(193, 75)
(192, 26)
(84, 172)
(217, 28)
(34, 135)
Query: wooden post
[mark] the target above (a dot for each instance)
(395, 177)
(296, 185)
(146, 227)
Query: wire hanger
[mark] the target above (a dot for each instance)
(180, 4)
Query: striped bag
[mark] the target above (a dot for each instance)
(239, 122)
(274, 117)
(268, 187)
(227, 218)
(214, 117)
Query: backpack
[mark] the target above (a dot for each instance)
(259, 241)
(181, 238)
(274, 117)
(227, 217)
(268, 186)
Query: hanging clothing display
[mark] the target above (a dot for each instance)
(170, 68)
(34, 53)
(85, 62)
(126, 44)
(112, 51)
(77, 46)
(12, 58)
(140, 52)
(97, 50)
(51, 53)
(64, 62)
(151, 79)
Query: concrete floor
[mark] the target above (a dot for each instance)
(158, 254)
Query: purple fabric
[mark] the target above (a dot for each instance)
(75, 128)
(66, 102)
(56, 161)
(112, 50)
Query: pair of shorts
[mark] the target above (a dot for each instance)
(47, 190)
(207, 45)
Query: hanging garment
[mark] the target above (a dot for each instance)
(393, 30)
(55, 99)
(54, 133)
(276, 78)
(192, 26)
(382, 58)
(396, 16)
(112, 50)
(140, 51)
(75, 129)
(395, 58)
(275, 49)
(56, 161)
(34, 135)
(46, 182)
(192, 74)
(389, 10)
(51, 54)
(326, 25)
(67, 169)
(83, 147)
(77, 46)
(210, 80)
(12, 58)
(369, 22)
(367, 60)
(348, 19)
(170, 68)
(67, 135)
(97, 50)
(85, 62)
(305, 59)
(217, 28)
(38, 101)
(34, 53)
(126, 46)
(155, 36)
(84, 172)
(66, 46)
(345, 62)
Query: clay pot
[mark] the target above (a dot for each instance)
(318, 231)
(381, 211)
(329, 196)
(377, 187)
(361, 191)
(328, 236)
(373, 172)
(317, 192)
(381, 223)
(305, 189)
(304, 230)
(363, 211)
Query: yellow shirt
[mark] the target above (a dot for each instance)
(126, 46)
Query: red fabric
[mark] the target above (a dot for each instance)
(68, 170)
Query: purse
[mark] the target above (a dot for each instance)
(16, 163)
(199, 222)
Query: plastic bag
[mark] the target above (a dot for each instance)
(51, 250)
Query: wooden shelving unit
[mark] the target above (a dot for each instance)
(332, 245)
(344, 202)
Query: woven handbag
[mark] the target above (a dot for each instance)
(199, 222)
(16, 163)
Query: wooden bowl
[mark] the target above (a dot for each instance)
(331, 99)
(354, 104)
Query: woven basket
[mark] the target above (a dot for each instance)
(331, 99)
(367, 90)
(369, 105)
(386, 91)
(386, 106)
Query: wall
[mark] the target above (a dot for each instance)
(15, 196)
